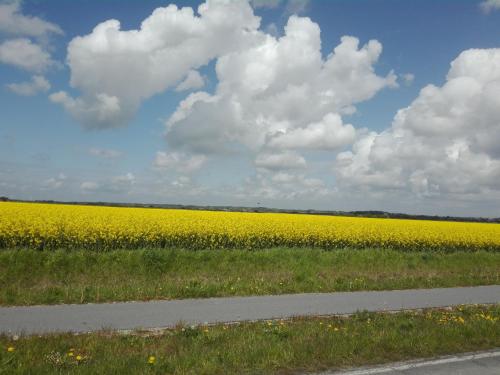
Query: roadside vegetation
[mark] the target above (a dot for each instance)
(298, 345)
(29, 277)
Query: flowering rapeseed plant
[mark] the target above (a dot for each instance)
(46, 226)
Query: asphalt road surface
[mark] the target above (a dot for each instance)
(163, 314)
(483, 363)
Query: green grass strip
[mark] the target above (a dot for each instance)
(30, 277)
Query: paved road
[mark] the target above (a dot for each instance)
(483, 363)
(162, 314)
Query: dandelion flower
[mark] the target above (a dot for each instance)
(151, 359)
(10, 349)
(79, 357)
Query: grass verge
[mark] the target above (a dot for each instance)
(32, 277)
(307, 344)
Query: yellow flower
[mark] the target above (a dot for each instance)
(151, 359)
(70, 354)
(79, 357)
(10, 349)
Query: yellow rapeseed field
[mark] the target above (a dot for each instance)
(51, 226)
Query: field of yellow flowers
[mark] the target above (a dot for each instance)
(51, 226)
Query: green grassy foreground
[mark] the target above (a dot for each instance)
(34, 277)
(310, 344)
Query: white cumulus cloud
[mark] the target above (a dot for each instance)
(278, 98)
(280, 88)
(169, 44)
(445, 143)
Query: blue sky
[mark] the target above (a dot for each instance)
(90, 115)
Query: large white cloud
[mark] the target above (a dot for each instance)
(444, 144)
(132, 65)
(280, 95)
(277, 98)
(12, 21)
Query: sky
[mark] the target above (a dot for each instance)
(323, 104)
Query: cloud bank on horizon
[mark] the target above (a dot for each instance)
(278, 101)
